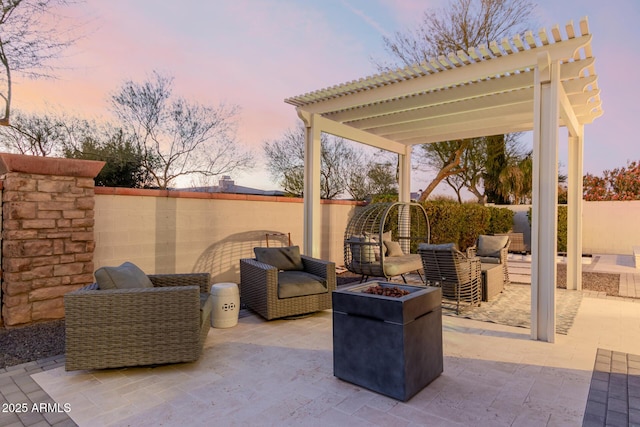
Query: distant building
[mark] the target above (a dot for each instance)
(227, 185)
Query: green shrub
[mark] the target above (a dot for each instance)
(501, 220)
(562, 227)
(463, 223)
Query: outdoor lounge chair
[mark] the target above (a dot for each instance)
(457, 275)
(142, 320)
(492, 250)
(280, 282)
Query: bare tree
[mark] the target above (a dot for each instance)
(32, 35)
(177, 137)
(285, 161)
(369, 177)
(35, 135)
(460, 26)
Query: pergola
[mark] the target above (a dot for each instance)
(538, 82)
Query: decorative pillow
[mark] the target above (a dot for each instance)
(393, 248)
(284, 258)
(361, 250)
(489, 246)
(125, 276)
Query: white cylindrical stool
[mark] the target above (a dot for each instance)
(226, 305)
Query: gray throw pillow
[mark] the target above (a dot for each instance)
(125, 276)
(393, 248)
(489, 246)
(285, 258)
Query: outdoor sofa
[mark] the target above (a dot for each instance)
(128, 318)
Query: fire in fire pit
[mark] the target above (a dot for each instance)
(394, 292)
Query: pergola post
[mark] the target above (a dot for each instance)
(545, 198)
(312, 213)
(404, 175)
(574, 212)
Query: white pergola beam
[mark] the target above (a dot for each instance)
(449, 111)
(353, 134)
(468, 91)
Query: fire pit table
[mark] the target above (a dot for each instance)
(391, 344)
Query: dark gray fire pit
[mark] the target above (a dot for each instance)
(389, 345)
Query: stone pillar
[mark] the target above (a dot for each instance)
(47, 234)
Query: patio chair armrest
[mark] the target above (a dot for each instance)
(202, 280)
(321, 268)
(472, 251)
(257, 278)
(504, 253)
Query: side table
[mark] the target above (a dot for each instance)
(226, 305)
(492, 283)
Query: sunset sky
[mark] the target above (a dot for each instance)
(256, 53)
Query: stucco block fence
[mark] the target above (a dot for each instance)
(57, 229)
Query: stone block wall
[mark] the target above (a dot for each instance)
(47, 234)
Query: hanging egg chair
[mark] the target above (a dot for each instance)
(381, 240)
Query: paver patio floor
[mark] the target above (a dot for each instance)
(281, 373)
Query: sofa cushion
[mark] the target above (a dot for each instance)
(490, 246)
(285, 258)
(393, 248)
(125, 276)
(298, 283)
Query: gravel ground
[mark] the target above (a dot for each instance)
(28, 343)
(42, 340)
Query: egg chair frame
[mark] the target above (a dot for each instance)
(381, 240)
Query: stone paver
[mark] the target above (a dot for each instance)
(22, 400)
(280, 373)
(615, 385)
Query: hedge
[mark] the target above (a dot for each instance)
(562, 227)
(463, 223)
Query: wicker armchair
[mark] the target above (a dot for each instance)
(260, 288)
(458, 276)
(492, 250)
(110, 328)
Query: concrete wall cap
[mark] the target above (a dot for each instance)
(49, 165)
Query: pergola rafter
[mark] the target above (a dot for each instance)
(537, 82)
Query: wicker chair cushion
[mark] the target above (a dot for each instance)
(285, 258)
(489, 246)
(393, 248)
(125, 276)
(298, 283)
(397, 265)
